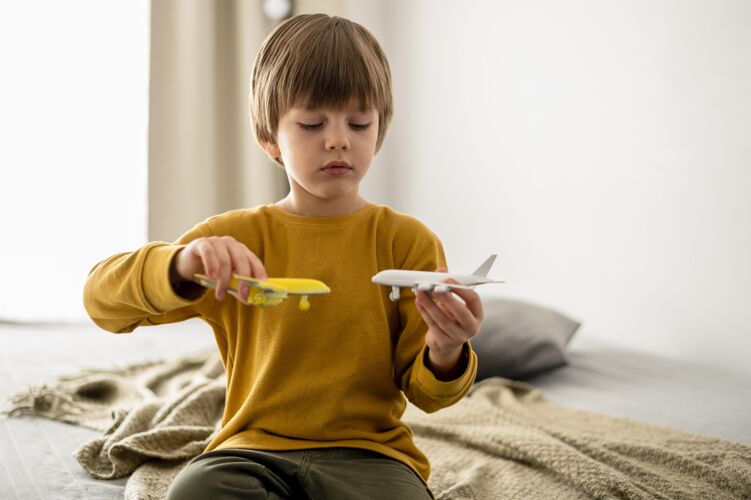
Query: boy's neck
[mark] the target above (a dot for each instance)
(321, 208)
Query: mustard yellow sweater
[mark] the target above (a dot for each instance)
(336, 375)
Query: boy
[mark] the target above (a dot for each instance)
(314, 399)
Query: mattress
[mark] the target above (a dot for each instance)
(685, 395)
(36, 455)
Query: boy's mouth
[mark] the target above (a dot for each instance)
(336, 168)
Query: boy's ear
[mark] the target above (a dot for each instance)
(271, 149)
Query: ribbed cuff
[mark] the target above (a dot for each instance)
(157, 288)
(449, 388)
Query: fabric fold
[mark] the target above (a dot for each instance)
(503, 440)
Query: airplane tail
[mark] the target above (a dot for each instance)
(485, 267)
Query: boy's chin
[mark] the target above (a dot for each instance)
(333, 194)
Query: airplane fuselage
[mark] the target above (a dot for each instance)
(411, 278)
(432, 281)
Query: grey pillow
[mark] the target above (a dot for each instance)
(518, 340)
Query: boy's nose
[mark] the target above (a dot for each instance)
(337, 142)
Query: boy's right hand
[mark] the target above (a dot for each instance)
(219, 257)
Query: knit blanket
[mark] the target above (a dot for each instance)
(503, 440)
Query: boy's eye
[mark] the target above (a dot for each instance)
(313, 126)
(310, 126)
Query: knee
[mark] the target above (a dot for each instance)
(219, 477)
(194, 481)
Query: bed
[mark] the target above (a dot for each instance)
(36, 455)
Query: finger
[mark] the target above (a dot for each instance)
(456, 309)
(444, 309)
(224, 265)
(470, 298)
(448, 319)
(431, 313)
(429, 320)
(258, 269)
(476, 305)
(241, 266)
(207, 255)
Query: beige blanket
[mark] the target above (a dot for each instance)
(503, 440)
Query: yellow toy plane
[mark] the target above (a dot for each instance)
(272, 291)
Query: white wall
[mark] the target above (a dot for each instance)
(73, 136)
(376, 17)
(603, 149)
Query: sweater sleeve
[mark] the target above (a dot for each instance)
(132, 289)
(416, 380)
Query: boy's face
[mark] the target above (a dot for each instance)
(326, 153)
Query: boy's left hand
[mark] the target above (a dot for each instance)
(451, 323)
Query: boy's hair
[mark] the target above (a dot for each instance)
(318, 61)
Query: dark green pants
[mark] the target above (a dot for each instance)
(325, 473)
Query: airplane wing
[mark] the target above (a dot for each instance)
(301, 286)
(234, 283)
(265, 286)
(438, 287)
(204, 280)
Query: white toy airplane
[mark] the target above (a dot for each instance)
(427, 281)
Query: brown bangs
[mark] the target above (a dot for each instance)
(332, 70)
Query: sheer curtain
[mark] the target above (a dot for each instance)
(122, 123)
(73, 138)
(203, 158)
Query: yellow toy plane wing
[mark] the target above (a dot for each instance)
(300, 286)
(272, 291)
(267, 285)
(234, 289)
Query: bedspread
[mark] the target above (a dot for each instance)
(503, 440)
